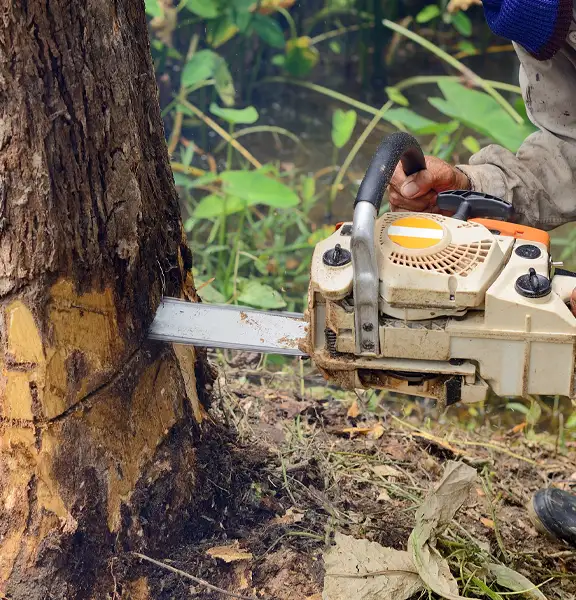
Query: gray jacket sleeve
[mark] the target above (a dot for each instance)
(540, 180)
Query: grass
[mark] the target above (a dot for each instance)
(370, 487)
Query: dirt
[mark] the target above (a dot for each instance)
(315, 463)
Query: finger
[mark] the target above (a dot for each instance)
(412, 204)
(398, 178)
(417, 185)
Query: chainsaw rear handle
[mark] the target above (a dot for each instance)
(398, 147)
(474, 205)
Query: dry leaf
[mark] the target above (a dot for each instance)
(384, 497)
(229, 554)
(432, 518)
(292, 516)
(357, 557)
(386, 471)
(487, 523)
(366, 570)
(354, 410)
(515, 582)
(375, 432)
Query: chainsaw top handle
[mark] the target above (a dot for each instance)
(398, 147)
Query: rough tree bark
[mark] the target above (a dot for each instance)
(98, 428)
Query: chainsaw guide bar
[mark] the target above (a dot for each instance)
(227, 326)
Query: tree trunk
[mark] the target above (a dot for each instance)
(98, 428)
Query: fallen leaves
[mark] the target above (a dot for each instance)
(354, 410)
(374, 432)
(366, 570)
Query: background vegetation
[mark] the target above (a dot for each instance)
(273, 109)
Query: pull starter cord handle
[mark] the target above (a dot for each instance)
(398, 147)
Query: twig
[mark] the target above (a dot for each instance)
(191, 577)
(372, 574)
(468, 443)
(499, 539)
(179, 118)
(222, 133)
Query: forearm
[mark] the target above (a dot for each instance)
(540, 180)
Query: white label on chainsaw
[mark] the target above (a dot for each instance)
(430, 234)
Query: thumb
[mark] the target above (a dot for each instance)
(417, 185)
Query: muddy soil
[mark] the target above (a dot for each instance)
(315, 463)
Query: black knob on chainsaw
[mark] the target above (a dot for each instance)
(473, 205)
(337, 256)
(533, 285)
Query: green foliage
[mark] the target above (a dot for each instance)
(261, 295)
(207, 9)
(257, 188)
(343, 123)
(481, 113)
(459, 20)
(243, 116)
(269, 30)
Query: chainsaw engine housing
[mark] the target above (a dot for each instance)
(438, 306)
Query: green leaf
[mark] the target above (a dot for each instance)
(214, 206)
(571, 421)
(534, 414)
(301, 56)
(482, 113)
(518, 407)
(261, 295)
(308, 188)
(462, 23)
(153, 8)
(512, 580)
(278, 60)
(471, 144)
(244, 116)
(520, 108)
(224, 83)
(269, 30)
(467, 46)
(335, 46)
(410, 119)
(220, 30)
(188, 155)
(397, 96)
(209, 293)
(343, 123)
(428, 13)
(257, 188)
(200, 67)
(190, 182)
(207, 9)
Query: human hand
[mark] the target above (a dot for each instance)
(418, 192)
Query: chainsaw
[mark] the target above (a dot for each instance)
(444, 307)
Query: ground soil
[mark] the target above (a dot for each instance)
(308, 465)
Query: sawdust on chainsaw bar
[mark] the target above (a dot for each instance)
(319, 462)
